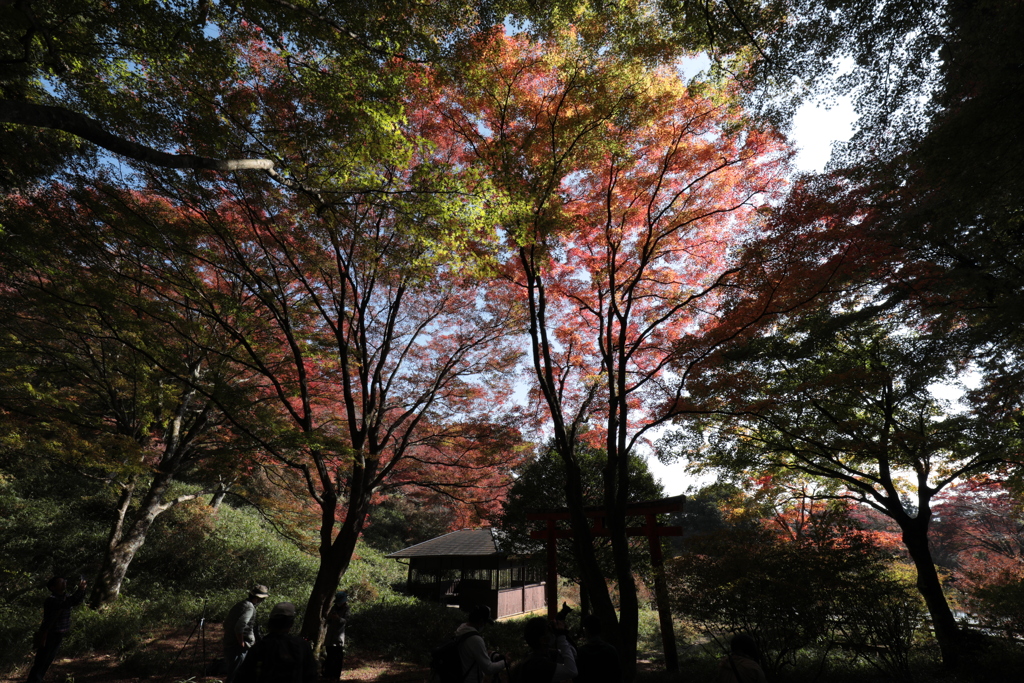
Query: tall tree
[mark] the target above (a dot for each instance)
(627, 190)
(115, 397)
(373, 366)
(355, 315)
(919, 215)
(851, 406)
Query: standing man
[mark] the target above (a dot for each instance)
(337, 619)
(240, 629)
(552, 657)
(476, 663)
(597, 660)
(279, 657)
(56, 624)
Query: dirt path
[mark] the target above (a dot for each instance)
(173, 657)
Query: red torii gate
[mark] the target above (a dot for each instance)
(651, 529)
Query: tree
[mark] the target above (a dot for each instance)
(82, 381)
(979, 536)
(115, 74)
(149, 82)
(540, 485)
(627, 191)
(369, 363)
(851, 406)
(355, 316)
(915, 221)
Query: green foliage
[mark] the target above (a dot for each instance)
(1001, 607)
(42, 537)
(197, 552)
(826, 591)
(541, 486)
(372, 577)
(197, 560)
(55, 532)
(400, 522)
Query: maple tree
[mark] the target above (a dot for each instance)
(93, 385)
(149, 83)
(911, 234)
(626, 191)
(979, 535)
(356, 322)
(373, 365)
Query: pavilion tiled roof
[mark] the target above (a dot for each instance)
(462, 543)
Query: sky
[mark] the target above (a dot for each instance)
(815, 128)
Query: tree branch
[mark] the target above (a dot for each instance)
(59, 118)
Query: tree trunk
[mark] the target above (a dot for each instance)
(592, 580)
(668, 634)
(124, 541)
(335, 558)
(616, 494)
(218, 496)
(629, 606)
(947, 632)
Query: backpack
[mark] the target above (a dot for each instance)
(275, 659)
(539, 667)
(446, 660)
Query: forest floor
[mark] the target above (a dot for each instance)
(187, 664)
(187, 659)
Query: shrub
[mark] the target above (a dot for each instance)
(218, 555)
(1000, 606)
(814, 593)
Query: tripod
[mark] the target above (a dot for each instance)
(198, 644)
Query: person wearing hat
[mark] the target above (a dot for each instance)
(334, 642)
(240, 628)
(476, 662)
(279, 657)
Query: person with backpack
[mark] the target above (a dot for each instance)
(552, 657)
(240, 629)
(279, 657)
(474, 660)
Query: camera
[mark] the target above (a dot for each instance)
(564, 612)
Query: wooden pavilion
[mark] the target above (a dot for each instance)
(468, 568)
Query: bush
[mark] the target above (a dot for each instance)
(1000, 606)
(41, 537)
(881, 625)
(797, 597)
(217, 555)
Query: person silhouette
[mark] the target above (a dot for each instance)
(743, 663)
